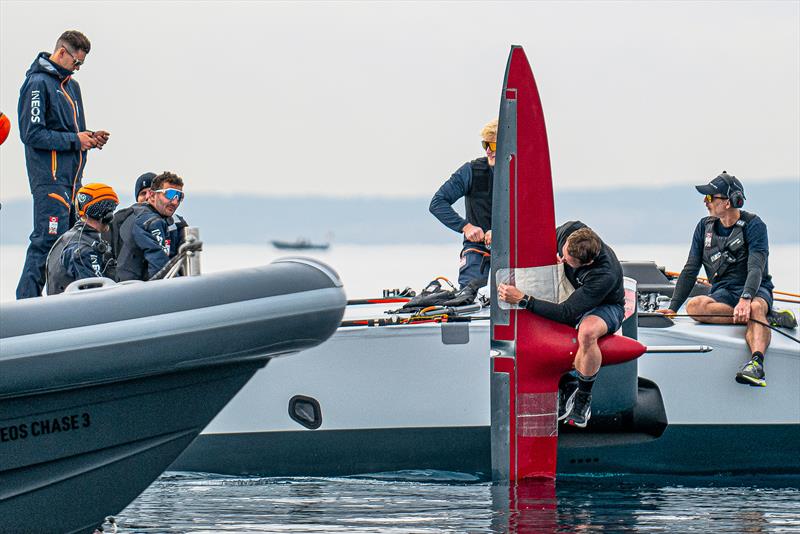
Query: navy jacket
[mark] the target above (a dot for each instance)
(51, 115)
(79, 253)
(458, 186)
(754, 277)
(144, 247)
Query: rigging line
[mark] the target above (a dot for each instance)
(705, 281)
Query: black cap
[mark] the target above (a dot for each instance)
(142, 182)
(724, 185)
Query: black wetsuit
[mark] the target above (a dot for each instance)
(598, 283)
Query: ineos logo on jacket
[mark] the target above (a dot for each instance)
(36, 107)
(156, 232)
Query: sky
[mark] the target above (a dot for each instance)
(388, 98)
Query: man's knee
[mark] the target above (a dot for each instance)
(697, 307)
(697, 304)
(591, 329)
(759, 308)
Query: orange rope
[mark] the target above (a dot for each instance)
(481, 252)
(705, 281)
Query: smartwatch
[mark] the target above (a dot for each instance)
(747, 296)
(523, 303)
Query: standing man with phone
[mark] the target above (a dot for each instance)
(52, 125)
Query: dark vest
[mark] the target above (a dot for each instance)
(131, 264)
(726, 256)
(478, 200)
(57, 276)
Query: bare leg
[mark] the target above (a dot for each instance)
(702, 305)
(758, 336)
(589, 358)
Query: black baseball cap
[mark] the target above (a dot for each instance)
(724, 185)
(142, 182)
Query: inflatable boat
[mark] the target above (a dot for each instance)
(101, 389)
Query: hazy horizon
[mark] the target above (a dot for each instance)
(387, 99)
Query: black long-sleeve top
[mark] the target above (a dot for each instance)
(600, 282)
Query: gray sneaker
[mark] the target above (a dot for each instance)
(581, 409)
(782, 318)
(752, 373)
(566, 398)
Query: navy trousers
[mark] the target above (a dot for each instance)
(52, 216)
(474, 263)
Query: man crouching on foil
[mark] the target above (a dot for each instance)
(595, 308)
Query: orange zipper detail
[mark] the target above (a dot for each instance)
(53, 163)
(77, 130)
(71, 102)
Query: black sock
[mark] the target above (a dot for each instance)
(585, 383)
(758, 357)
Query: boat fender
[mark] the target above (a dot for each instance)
(5, 127)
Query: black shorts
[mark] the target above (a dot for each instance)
(731, 298)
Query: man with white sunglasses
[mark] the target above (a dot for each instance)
(144, 237)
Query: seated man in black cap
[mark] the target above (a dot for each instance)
(731, 244)
(81, 252)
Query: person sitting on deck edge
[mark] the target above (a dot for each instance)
(595, 308)
(473, 182)
(732, 245)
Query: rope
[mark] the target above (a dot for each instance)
(478, 251)
(449, 283)
(705, 281)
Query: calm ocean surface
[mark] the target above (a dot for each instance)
(424, 502)
(449, 502)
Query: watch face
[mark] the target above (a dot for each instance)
(523, 303)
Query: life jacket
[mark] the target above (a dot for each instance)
(131, 264)
(726, 255)
(57, 276)
(478, 200)
(175, 234)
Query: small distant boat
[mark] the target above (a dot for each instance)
(299, 244)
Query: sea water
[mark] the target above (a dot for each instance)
(449, 502)
(429, 502)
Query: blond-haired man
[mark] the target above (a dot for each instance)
(472, 182)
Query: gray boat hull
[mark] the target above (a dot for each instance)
(403, 397)
(100, 391)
